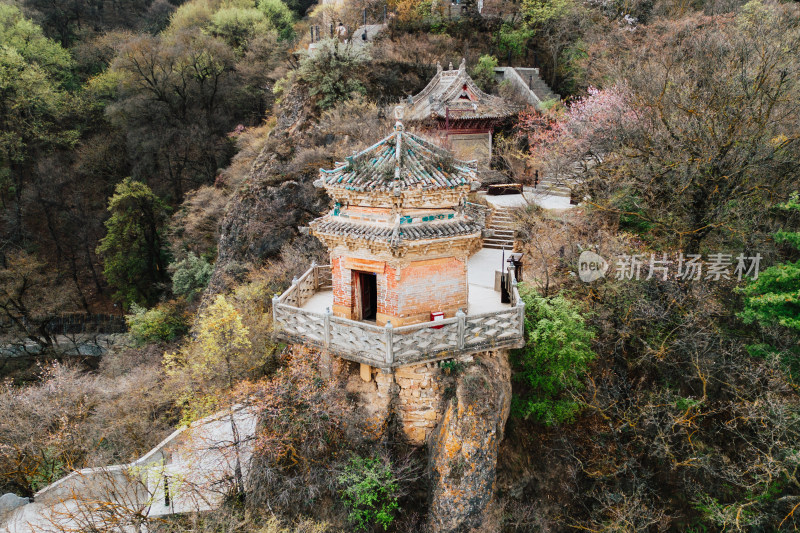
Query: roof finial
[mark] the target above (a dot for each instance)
(399, 112)
(463, 66)
(438, 67)
(451, 66)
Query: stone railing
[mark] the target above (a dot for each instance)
(387, 346)
(477, 212)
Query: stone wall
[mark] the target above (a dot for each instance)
(419, 398)
(432, 285)
(469, 146)
(406, 294)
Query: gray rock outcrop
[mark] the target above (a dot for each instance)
(464, 446)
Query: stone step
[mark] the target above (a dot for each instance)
(552, 192)
(498, 244)
(502, 227)
(558, 189)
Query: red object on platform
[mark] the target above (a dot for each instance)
(436, 316)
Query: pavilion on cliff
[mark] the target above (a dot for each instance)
(407, 281)
(399, 234)
(455, 113)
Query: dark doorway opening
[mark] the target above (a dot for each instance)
(367, 295)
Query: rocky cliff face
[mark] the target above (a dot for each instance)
(464, 447)
(275, 199)
(461, 415)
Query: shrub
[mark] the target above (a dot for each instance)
(332, 72)
(190, 276)
(162, 323)
(305, 424)
(369, 491)
(451, 366)
(71, 419)
(555, 359)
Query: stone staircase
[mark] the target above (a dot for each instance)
(526, 83)
(548, 186)
(502, 224)
(536, 84)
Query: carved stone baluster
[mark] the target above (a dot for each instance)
(389, 335)
(462, 327)
(327, 323)
(276, 323)
(315, 277)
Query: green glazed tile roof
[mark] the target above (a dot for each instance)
(395, 234)
(421, 166)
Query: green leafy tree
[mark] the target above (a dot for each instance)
(483, 73)
(219, 355)
(555, 359)
(281, 17)
(539, 12)
(513, 40)
(369, 491)
(133, 250)
(33, 106)
(773, 300)
(237, 26)
(27, 38)
(333, 72)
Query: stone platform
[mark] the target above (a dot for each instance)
(480, 274)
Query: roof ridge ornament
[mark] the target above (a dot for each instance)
(399, 112)
(451, 66)
(438, 67)
(463, 66)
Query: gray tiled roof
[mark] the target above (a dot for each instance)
(453, 93)
(329, 225)
(421, 165)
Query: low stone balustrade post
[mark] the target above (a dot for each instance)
(315, 274)
(327, 322)
(462, 328)
(275, 323)
(389, 334)
(294, 298)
